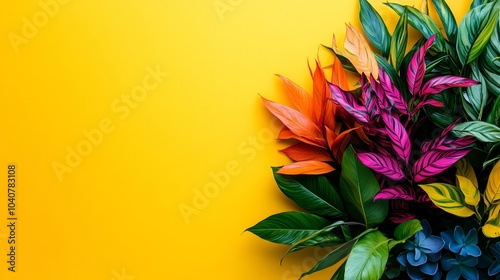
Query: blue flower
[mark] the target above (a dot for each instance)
(458, 242)
(495, 266)
(461, 266)
(421, 255)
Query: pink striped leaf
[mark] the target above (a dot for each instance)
(384, 165)
(350, 103)
(434, 162)
(392, 92)
(438, 84)
(398, 136)
(416, 68)
(396, 192)
(370, 98)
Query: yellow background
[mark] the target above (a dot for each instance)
(117, 215)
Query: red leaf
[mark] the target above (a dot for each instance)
(304, 152)
(310, 167)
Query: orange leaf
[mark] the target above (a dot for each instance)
(359, 53)
(330, 119)
(319, 94)
(304, 152)
(338, 74)
(361, 133)
(338, 143)
(299, 124)
(310, 167)
(286, 133)
(299, 97)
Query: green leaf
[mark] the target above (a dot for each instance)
(358, 187)
(407, 229)
(399, 40)
(488, 63)
(447, 18)
(288, 227)
(345, 62)
(494, 115)
(368, 257)
(374, 27)
(449, 198)
(475, 98)
(483, 131)
(421, 22)
(339, 273)
(475, 31)
(393, 75)
(335, 256)
(313, 193)
(470, 190)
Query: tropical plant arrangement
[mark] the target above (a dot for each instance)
(398, 174)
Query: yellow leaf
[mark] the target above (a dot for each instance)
(492, 227)
(470, 191)
(359, 53)
(449, 198)
(424, 7)
(465, 169)
(492, 191)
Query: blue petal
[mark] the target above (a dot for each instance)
(434, 257)
(402, 259)
(467, 260)
(459, 234)
(471, 237)
(429, 268)
(416, 261)
(432, 244)
(415, 273)
(447, 236)
(495, 250)
(448, 262)
(426, 228)
(470, 273)
(454, 274)
(494, 268)
(471, 250)
(455, 247)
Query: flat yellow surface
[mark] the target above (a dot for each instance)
(141, 147)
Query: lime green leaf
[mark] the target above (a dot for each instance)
(483, 131)
(475, 31)
(449, 198)
(492, 192)
(447, 18)
(399, 40)
(494, 115)
(358, 187)
(335, 256)
(407, 229)
(470, 191)
(368, 257)
(288, 227)
(374, 27)
(313, 193)
(465, 169)
(492, 227)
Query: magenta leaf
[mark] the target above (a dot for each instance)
(392, 93)
(369, 98)
(416, 68)
(349, 103)
(434, 162)
(382, 164)
(398, 136)
(399, 217)
(396, 192)
(438, 84)
(446, 142)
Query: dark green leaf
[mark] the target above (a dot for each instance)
(494, 115)
(335, 256)
(475, 31)
(358, 187)
(345, 62)
(483, 131)
(475, 98)
(399, 40)
(288, 227)
(339, 273)
(368, 257)
(488, 63)
(313, 193)
(448, 19)
(374, 27)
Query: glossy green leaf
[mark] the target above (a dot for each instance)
(313, 193)
(475, 31)
(358, 187)
(288, 227)
(339, 273)
(447, 18)
(398, 41)
(483, 131)
(407, 229)
(368, 257)
(335, 256)
(488, 62)
(494, 115)
(475, 98)
(374, 27)
(449, 198)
